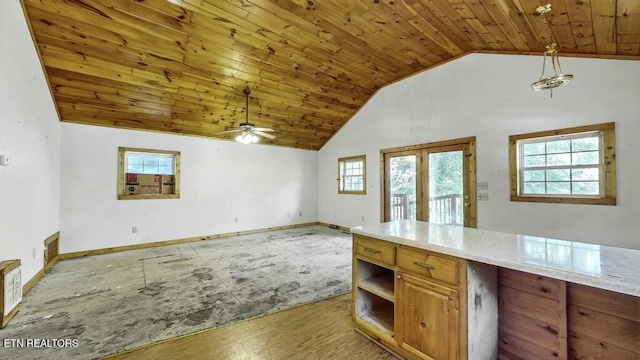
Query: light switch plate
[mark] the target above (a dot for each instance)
(482, 186)
(5, 160)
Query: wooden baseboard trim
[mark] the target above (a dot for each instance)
(33, 281)
(51, 264)
(78, 254)
(343, 228)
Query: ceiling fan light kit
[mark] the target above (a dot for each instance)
(247, 138)
(250, 133)
(558, 78)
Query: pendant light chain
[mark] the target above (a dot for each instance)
(558, 78)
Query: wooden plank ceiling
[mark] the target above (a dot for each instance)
(181, 66)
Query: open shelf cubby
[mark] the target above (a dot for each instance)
(376, 279)
(374, 310)
(375, 295)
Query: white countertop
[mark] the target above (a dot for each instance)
(604, 267)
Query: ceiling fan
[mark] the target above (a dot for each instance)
(248, 130)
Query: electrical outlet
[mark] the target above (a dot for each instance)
(300, 213)
(235, 220)
(34, 253)
(134, 229)
(363, 219)
(288, 215)
(482, 186)
(483, 197)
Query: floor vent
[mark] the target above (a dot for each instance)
(10, 289)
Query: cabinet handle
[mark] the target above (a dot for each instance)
(424, 266)
(374, 251)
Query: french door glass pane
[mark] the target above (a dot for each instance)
(402, 184)
(445, 188)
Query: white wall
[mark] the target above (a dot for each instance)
(488, 96)
(30, 135)
(262, 186)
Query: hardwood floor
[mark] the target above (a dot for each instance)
(321, 330)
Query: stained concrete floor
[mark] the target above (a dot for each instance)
(119, 301)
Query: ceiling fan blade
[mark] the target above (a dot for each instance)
(229, 131)
(268, 136)
(264, 129)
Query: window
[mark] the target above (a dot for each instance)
(352, 179)
(575, 165)
(148, 174)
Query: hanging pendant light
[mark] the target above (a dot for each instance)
(557, 78)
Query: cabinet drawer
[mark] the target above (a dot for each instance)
(428, 265)
(375, 249)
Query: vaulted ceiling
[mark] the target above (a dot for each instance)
(181, 66)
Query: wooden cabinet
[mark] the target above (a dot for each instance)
(409, 300)
(427, 318)
(545, 318)
(373, 292)
(464, 294)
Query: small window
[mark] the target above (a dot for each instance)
(148, 174)
(575, 165)
(351, 172)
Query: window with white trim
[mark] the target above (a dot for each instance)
(575, 165)
(351, 172)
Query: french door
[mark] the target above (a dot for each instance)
(432, 182)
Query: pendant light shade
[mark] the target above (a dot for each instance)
(557, 78)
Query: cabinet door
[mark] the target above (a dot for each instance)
(427, 322)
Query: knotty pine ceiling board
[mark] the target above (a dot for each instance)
(181, 66)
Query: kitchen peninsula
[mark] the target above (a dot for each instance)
(429, 291)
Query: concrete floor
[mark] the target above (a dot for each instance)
(118, 301)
